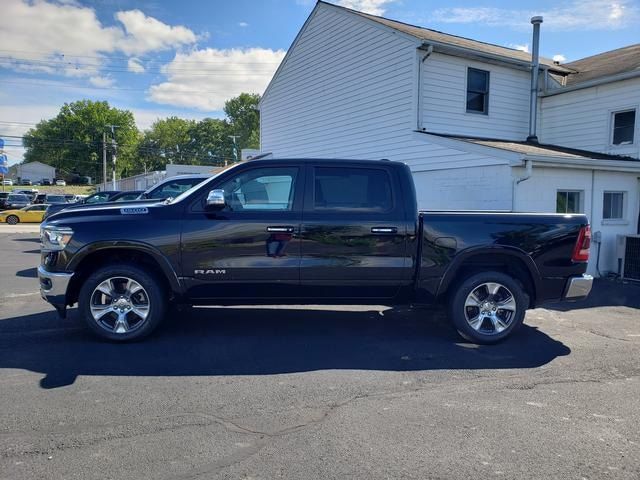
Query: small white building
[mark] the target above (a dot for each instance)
(35, 171)
(456, 110)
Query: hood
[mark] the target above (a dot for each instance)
(108, 210)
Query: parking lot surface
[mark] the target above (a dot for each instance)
(318, 393)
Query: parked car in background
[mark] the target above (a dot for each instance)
(172, 187)
(98, 197)
(56, 198)
(7, 182)
(126, 196)
(3, 200)
(45, 181)
(26, 181)
(61, 183)
(30, 214)
(17, 200)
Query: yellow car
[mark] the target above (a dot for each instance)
(30, 214)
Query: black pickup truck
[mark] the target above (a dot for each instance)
(308, 231)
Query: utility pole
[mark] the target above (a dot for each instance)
(235, 147)
(114, 147)
(104, 159)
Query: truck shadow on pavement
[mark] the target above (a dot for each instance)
(260, 341)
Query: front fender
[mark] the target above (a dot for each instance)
(161, 260)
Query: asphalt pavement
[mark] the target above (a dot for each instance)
(317, 393)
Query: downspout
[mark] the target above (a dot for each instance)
(427, 54)
(535, 69)
(528, 164)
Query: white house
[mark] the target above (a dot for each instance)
(35, 171)
(457, 111)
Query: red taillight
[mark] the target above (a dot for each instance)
(581, 250)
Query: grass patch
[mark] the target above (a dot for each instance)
(69, 189)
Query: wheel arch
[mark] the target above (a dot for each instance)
(96, 255)
(511, 261)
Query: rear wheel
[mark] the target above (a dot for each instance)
(122, 302)
(13, 220)
(488, 307)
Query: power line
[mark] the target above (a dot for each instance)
(51, 84)
(127, 58)
(146, 71)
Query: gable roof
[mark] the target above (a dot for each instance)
(429, 35)
(606, 64)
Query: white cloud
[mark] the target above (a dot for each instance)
(569, 15)
(134, 65)
(523, 48)
(243, 24)
(146, 34)
(220, 75)
(54, 37)
(559, 58)
(102, 82)
(374, 7)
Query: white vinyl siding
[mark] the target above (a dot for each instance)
(348, 89)
(444, 99)
(584, 118)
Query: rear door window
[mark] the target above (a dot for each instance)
(352, 189)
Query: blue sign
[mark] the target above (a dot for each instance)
(1, 143)
(4, 165)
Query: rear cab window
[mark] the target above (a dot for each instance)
(351, 189)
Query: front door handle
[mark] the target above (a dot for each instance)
(384, 230)
(280, 229)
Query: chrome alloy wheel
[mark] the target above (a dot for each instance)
(490, 308)
(119, 305)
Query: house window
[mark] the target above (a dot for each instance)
(613, 206)
(624, 124)
(477, 91)
(569, 201)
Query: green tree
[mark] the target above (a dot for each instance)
(168, 140)
(72, 141)
(244, 119)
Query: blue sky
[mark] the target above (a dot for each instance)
(185, 58)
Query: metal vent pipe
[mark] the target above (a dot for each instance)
(535, 68)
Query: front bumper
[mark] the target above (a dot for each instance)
(53, 287)
(578, 288)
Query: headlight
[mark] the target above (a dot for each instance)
(55, 238)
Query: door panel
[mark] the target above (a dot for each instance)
(354, 234)
(251, 248)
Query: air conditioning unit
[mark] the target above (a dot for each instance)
(629, 254)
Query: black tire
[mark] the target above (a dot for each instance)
(152, 289)
(483, 334)
(13, 220)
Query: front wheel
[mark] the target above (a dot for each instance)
(488, 307)
(13, 220)
(122, 302)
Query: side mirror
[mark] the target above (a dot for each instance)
(215, 200)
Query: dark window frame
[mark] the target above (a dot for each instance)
(611, 205)
(632, 126)
(485, 92)
(566, 193)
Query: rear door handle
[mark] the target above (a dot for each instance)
(384, 230)
(280, 229)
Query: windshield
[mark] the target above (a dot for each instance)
(56, 198)
(185, 194)
(18, 198)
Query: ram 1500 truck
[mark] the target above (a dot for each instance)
(308, 231)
